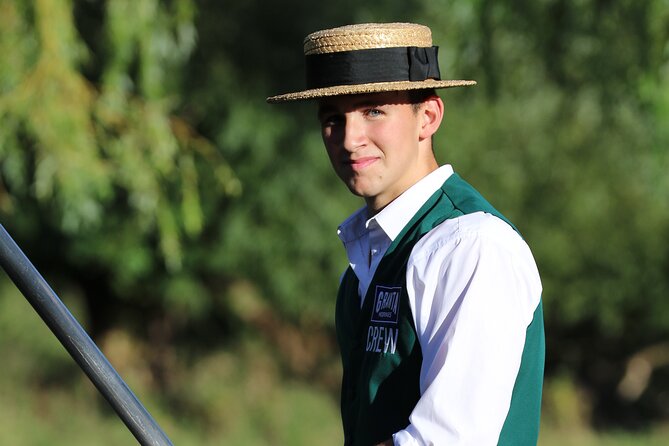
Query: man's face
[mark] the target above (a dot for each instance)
(372, 141)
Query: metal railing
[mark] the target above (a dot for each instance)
(77, 342)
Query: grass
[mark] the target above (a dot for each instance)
(564, 437)
(230, 397)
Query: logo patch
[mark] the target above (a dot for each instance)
(386, 304)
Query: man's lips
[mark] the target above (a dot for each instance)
(361, 163)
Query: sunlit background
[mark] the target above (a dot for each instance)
(190, 226)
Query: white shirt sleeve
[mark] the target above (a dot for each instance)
(473, 287)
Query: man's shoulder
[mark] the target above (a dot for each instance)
(477, 227)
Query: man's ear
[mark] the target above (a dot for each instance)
(431, 114)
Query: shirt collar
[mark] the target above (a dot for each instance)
(354, 226)
(397, 213)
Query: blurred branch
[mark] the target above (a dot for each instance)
(639, 369)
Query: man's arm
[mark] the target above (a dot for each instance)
(473, 288)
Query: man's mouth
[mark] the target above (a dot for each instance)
(361, 163)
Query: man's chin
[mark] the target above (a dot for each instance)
(360, 191)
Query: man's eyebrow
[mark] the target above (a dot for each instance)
(369, 103)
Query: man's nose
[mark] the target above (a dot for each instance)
(354, 133)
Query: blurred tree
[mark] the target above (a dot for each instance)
(101, 178)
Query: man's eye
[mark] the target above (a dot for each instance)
(373, 112)
(331, 120)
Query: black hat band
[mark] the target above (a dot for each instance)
(371, 66)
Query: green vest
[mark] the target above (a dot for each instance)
(380, 352)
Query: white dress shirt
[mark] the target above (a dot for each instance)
(473, 287)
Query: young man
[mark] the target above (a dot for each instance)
(438, 316)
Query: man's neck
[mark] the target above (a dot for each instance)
(377, 203)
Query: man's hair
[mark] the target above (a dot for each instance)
(417, 97)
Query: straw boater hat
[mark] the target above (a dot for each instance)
(370, 58)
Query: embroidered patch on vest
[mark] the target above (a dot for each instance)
(386, 304)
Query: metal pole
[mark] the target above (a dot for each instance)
(77, 342)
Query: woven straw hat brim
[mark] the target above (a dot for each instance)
(376, 87)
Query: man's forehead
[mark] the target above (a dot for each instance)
(353, 101)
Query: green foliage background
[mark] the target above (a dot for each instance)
(190, 226)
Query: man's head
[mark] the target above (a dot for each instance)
(375, 86)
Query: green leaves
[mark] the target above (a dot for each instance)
(112, 147)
